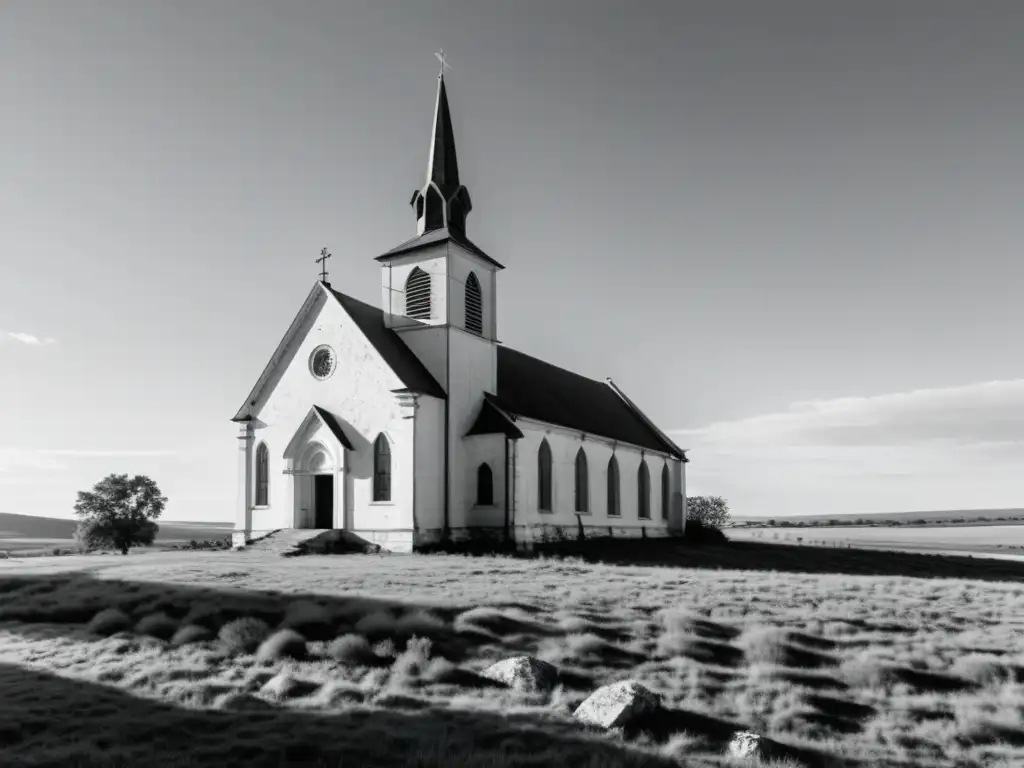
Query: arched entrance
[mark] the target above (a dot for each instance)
(316, 492)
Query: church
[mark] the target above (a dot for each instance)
(410, 423)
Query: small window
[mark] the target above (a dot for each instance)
(474, 306)
(643, 490)
(262, 475)
(544, 477)
(484, 486)
(381, 469)
(666, 492)
(417, 295)
(613, 487)
(582, 482)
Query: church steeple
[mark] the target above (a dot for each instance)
(443, 201)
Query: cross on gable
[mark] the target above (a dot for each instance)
(322, 261)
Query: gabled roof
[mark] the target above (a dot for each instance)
(492, 420)
(396, 354)
(331, 422)
(533, 389)
(325, 417)
(370, 320)
(435, 237)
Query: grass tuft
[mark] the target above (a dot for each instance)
(158, 625)
(283, 644)
(109, 621)
(243, 635)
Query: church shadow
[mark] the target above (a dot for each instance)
(758, 556)
(112, 727)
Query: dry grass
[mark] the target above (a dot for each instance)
(246, 659)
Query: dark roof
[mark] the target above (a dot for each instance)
(492, 420)
(329, 419)
(396, 354)
(534, 389)
(434, 237)
(444, 166)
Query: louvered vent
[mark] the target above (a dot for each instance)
(474, 306)
(417, 295)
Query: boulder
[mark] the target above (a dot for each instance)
(524, 673)
(617, 705)
(745, 744)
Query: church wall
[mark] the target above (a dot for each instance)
(429, 470)
(479, 449)
(473, 372)
(359, 394)
(395, 272)
(533, 525)
(430, 345)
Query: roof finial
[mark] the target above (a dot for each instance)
(322, 261)
(444, 62)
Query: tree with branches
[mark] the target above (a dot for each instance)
(119, 513)
(711, 511)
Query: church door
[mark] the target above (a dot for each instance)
(323, 501)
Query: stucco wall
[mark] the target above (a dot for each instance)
(474, 371)
(564, 444)
(429, 464)
(359, 394)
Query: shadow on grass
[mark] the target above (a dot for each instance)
(759, 556)
(662, 724)
(113, 728)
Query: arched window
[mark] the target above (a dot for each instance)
(613, 487)
(262, 475)
(474, 306)
(643, 490)
(582, 482)
(417, 295)
(544, 477)
(666, 491)
(484, 486)
(381, 469)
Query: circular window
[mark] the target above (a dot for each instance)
(321, 362)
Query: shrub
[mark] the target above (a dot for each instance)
(386, 649)
(191, 633)
(867, 671)
(109, 621)
(283, 644)
(158, 625)
(243, 635)
(711, 511)
(351, 649)
(414, 659)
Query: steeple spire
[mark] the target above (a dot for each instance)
(443, 201)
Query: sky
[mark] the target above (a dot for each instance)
(791, 231)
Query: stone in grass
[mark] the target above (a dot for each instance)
(745, 744)
(617, 705)
(524, 673)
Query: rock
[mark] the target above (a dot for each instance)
(524, 673)
(745, 744)
(617, 705)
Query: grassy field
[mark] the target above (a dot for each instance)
(845, 658)
(30, 535)
(1005, 539)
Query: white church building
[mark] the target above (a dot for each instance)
(409, 423)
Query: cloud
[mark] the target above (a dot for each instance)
(31, 340)
(925, 449)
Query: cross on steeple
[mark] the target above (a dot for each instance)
(322, 261)
(444, 62)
